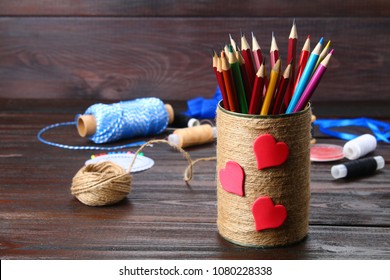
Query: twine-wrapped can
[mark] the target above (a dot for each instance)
(263, 187)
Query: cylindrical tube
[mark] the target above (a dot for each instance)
(282, 180)
(196, 135)
(87, 124)
(360, 146)
(359, 167)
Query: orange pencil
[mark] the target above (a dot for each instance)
(274, 51)
(257, 54)
(229, 84)
(271, 88)
(257, 93)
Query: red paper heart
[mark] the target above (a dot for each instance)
(267, 215)
(268, 152)
(232, 178)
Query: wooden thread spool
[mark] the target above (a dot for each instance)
(86, 124)
(197, 135)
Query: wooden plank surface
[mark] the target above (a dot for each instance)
(283, 8)
(125, 58)
(162, 217)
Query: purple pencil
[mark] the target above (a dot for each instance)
(312, 85)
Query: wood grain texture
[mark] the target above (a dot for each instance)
(140, 8)
(124, 58)
(162, 217)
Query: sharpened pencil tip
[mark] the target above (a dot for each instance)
(321, 40)
(331, 52)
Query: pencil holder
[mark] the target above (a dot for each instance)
(263, 177)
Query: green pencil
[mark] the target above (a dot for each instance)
(235, 66)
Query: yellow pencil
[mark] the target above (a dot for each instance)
(274, 75)
(322, 55)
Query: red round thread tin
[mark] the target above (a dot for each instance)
(326, 152)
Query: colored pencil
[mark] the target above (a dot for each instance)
(238, 82)
(215, 61)
(274, 75)
(245, 76)
(323, 54)
(226, 49)
(314, 81)
(247, 55)
(282, 90)
(274, 51)
(229, 84)
(257, 54)
(304, 56)
(221, 83)
(257, 93)
(233, 43)
(307, 72)
(266, 80)
(291, 57)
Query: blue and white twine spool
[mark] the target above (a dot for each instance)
(128, 119)
(123, 120)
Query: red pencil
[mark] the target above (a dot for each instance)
(247, 55)
(274, 51)
(291, 57)
(305, 53)
(257, 54)
(282, 91)
(221, 82)
(257, 93)
(245, 77)
(215, 61)
(229, 84)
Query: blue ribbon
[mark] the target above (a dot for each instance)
(203, 108)
(381, 130)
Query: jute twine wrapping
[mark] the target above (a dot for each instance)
(107, 183)
(101, 184)
(287, 184)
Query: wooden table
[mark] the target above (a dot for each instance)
(163, 217)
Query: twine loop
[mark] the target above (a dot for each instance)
(104, 183)
(107, 183)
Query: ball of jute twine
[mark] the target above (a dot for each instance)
(107, 183)
(287, 184)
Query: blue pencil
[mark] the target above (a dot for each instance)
(305, 78)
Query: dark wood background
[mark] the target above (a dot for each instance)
(67, 55)
(116, 49)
